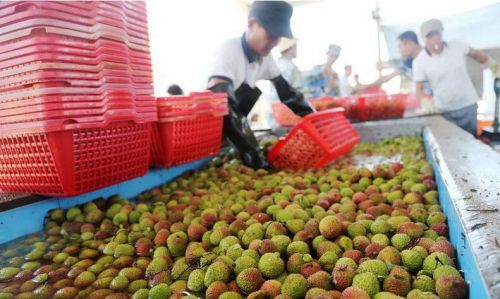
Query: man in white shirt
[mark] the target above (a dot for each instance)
(241, 62)
(443, 64)
(288, 69)
(409, 49)
(330, 76)
(344, 85)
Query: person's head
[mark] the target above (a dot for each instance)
(432, 32)
(175, 90)
(288, 47)
(408, 44)
(333, 52)
(348, 70)
(268, 21)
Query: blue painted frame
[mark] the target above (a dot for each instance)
(465, 258)
(28, 219)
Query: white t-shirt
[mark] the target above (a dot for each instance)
(447, 74)
(344, 86)
(233, 63)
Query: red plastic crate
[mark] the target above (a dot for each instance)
(59, 88)
(58, 75)
(185, 140)
(136, 9)
(84, 46)
(87, 102)
(77, 101)
(71, 115)
(58, 57)
(377, 107)
(20, 83)
(284, 116)
(36, 22)
(117, 17)
(412, 102)
(195, 102)
(372, 106)
(100, 33)
(62, 123)
(67, 66)
(80, 54)
(316, 141)
(323, 103)
(72, 162)
(133, 9)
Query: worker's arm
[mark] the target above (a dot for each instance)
(478, 55)
(426, 105)
(483, 58)
(236, 126)
(420, 91)
(381, 80)
(291, 97)
(217, 80)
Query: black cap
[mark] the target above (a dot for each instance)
(274, 16)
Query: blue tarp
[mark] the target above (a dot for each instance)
(478, 28)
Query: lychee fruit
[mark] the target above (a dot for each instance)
(443, 246)
(354, 293)
(249, 280)
(342, 276)
(451, 287)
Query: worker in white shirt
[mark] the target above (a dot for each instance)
(288, 69)
(331, 77)
(443, 64)
(344, 85)
(241, 62)
(409, 49)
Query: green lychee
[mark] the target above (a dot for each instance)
(412, 260)
(249, 280)
(400, 241)
(445, 270)
(376, 267)
(368, 282)
(271, 265)
(196, 280)
(218, 271)
(424, 283)
(295, 286)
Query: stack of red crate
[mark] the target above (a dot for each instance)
(188, 128)
(76, 95)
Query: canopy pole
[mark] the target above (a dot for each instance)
(376, 17)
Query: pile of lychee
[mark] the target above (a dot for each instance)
(228, 231)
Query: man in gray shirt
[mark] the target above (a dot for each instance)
(443, 64)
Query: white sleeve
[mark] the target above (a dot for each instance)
(463, 48)
(272, 69)
(225, 63)
(418, 71)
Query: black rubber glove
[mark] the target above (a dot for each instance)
(291, 97)
(237, 130)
